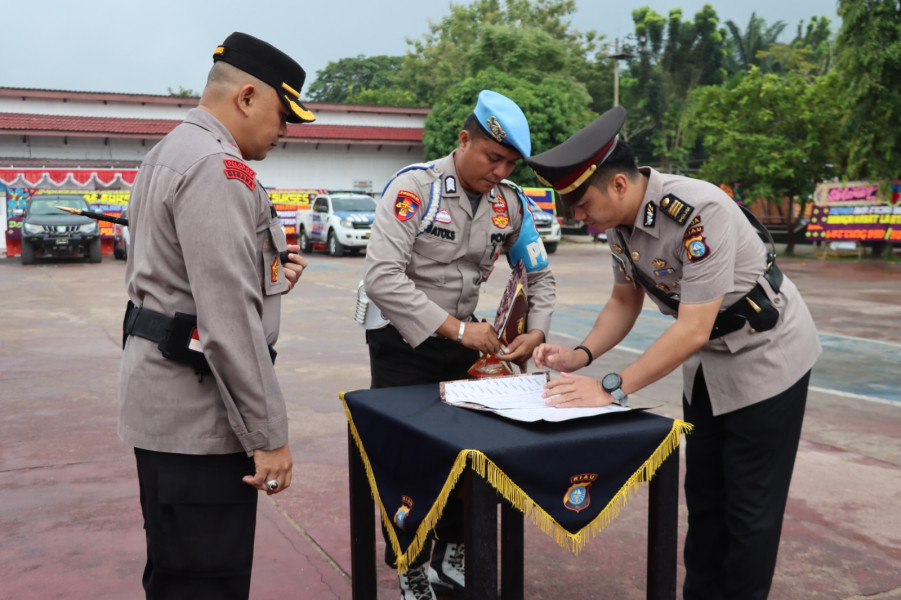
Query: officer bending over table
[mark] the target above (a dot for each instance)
(439, 229)
(742, 333)
(198, 396)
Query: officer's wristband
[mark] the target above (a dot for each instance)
(460, 334)
(587, 351)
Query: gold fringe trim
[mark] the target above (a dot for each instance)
(499, 480)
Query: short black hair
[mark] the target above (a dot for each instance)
(621, 160)
(476, 132)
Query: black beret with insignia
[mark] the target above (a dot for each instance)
(271, 65)
(567, 166)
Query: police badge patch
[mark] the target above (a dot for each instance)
(577, 498)
(405, 205)
(235, 169)
(697, 248)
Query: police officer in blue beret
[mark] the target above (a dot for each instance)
(439, 229)
(198, 396)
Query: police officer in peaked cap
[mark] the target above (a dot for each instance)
(198, 396)
(742, 334)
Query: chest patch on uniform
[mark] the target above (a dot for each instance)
(406, 204)
(697, 248)
(650, 214)
(500, 221)
(443, 216)
(444, 234)
(500, 206)
(235, 169)
(676, 209)
(450, 185)
(664, 272)
(658, 263)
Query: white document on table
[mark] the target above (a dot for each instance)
(518, 397)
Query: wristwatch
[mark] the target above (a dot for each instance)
(612, 384)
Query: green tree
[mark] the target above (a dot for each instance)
(183, 92)
(773, 134)
(549, 105)
(373, 78)
(869, 60)
(674, 57)
(491, 33)
(745, 47)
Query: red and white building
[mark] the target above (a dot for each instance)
(95, 141)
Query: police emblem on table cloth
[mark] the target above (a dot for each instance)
(235, 169)
(405, 205)
(400, 516)
(577, 498)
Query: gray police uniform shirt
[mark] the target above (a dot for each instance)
(417, 281)
(694, 244)
(205, 242)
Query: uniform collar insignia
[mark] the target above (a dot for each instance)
(650, 214)
(450, 185)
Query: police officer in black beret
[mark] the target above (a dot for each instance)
(198, 396)
(742, 333)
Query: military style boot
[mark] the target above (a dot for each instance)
(447, 575)
(414, 584)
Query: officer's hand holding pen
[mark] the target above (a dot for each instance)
(294, 265)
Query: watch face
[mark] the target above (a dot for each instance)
(611, 381)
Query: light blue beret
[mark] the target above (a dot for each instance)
(503, 121)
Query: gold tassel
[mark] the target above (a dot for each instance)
(499, 480)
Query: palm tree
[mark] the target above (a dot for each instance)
(745, 48)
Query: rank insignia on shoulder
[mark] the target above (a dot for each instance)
(405, 205)
(676, 209)
(650, 214)
(235, 169)
(450, 185)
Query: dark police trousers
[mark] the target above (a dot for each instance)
(738, 467)
(200, 520)
(393, 362)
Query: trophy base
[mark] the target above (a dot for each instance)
(490, 365)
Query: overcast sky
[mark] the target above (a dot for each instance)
(149, 47)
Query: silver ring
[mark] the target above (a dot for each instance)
(272, 485)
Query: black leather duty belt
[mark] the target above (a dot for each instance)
(172, 335)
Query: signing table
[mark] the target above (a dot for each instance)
(408, 451)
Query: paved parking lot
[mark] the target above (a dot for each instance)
(70, 524)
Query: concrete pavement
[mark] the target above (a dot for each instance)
(70, 523)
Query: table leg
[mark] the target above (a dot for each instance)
(512, 552)
(663, 517)
(362, 527)
(481, 539)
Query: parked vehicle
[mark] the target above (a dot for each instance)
(48, 231)
(548, 227)
(120, 238)
(340, 220)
